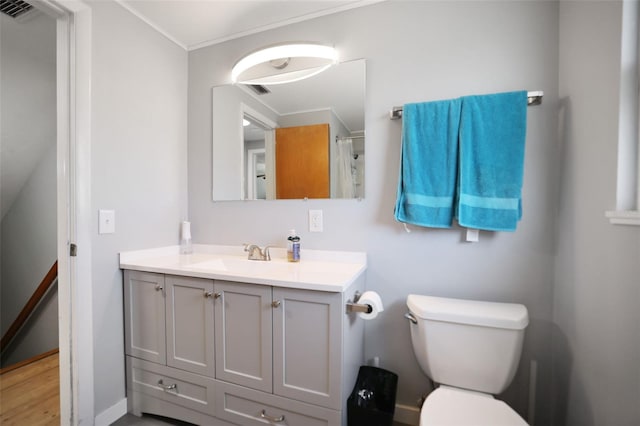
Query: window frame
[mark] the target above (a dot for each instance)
(627, 210)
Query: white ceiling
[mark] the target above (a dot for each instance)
(197, 23)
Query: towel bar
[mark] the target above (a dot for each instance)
(533, 98)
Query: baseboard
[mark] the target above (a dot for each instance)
(407, 414)
(112, 413)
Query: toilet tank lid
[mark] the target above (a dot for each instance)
(489, 314)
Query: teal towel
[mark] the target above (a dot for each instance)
(428, 170)
(491, 157)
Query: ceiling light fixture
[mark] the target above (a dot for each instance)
(283, 63)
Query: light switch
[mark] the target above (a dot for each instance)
(106, 222)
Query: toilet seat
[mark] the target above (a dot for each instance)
(448, 406)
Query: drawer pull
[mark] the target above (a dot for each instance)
(263, 415)
(167, 387)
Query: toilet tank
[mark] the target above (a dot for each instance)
(468, 344)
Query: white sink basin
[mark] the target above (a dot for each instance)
(318, 270)
(235, 265)
(279, 270)
(213, 264)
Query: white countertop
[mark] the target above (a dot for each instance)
(332, 271)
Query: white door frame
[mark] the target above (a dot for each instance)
(252, 159)
(75, 317)
(269, 136)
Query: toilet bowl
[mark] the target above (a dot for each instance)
(472, 350)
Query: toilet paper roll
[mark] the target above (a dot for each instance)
(372, 299)
(186, 231)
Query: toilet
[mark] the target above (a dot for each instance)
(471, 349)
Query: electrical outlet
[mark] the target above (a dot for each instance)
(315, 220)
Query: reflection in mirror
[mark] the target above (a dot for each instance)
(255, 134)
(298, 140)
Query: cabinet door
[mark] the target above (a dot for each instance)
(144, 316)
(243, 334)
(190, 324)
(307, 351)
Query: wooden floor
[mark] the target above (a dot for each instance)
(30, 393)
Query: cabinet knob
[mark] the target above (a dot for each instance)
(158, 287)
(275, 304)
(264, 415)
(207, 294)
(217, 295)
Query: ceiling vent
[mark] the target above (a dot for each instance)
(259, 89)
(14, 8)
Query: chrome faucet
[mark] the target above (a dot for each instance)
(256, 253)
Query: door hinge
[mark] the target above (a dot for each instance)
(73, 250)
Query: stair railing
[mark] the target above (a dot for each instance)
(30, 306)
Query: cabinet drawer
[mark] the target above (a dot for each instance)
(247, 407)
(176, 386)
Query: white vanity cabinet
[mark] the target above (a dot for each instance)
(214, 350)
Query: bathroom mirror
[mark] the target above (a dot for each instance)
(298, 140)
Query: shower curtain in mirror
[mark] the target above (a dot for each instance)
(346, 187)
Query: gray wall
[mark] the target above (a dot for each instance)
(596, 338)
(415, 51)
(139, 107)
(28, 102)
(227, 101)
(28, 236)
(28, 252)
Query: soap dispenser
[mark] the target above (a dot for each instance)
(293, 247)
(185, 238)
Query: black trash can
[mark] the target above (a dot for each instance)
(373, 400)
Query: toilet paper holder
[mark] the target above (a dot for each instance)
(358, 307)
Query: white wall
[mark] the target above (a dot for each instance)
(28, 251)
(227, 102)
(139, 95)
(415, 51)
(597, 283)
(28, 102)
(28, 183)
